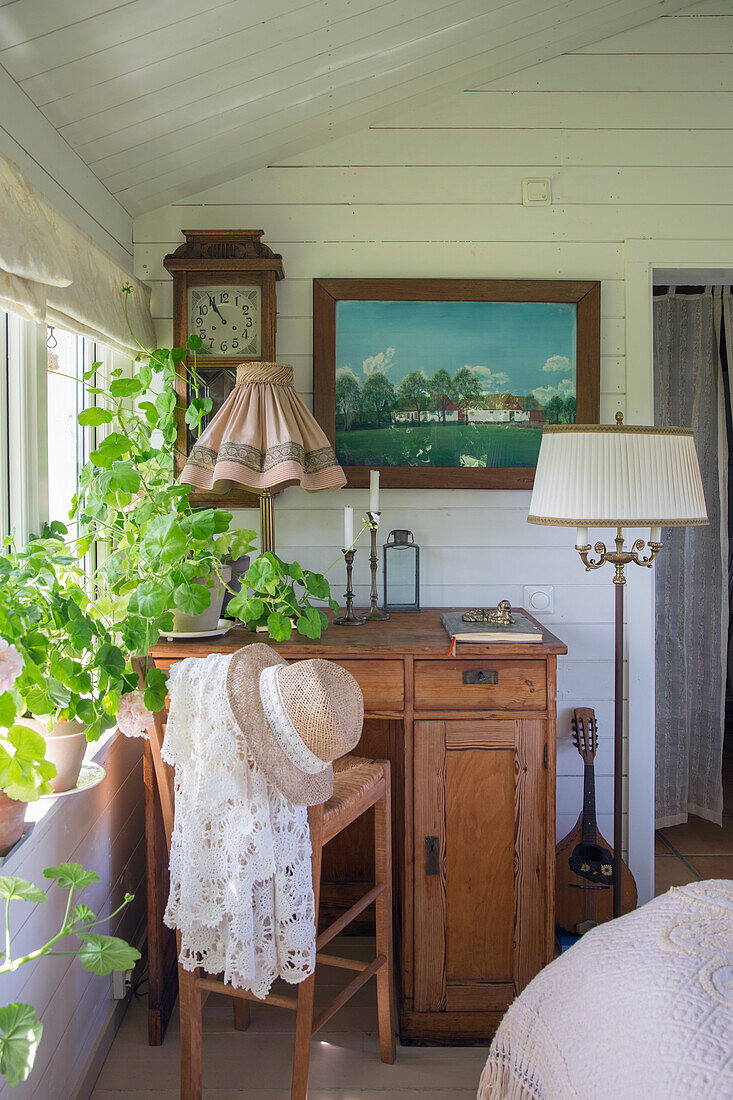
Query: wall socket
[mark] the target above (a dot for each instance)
(539, 599)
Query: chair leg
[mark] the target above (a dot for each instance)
(240, 1008)
(191, 1005)
(307, 989)
(383, 873)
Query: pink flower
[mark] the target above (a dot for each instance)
(133, 717)
(11, 665)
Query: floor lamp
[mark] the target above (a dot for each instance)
(605, 475)
(263, 437)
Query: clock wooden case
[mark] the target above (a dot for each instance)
(224, 291)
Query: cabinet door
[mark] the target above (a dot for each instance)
(481, 862)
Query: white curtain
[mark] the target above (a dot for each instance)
(691, 573)
(53, 273)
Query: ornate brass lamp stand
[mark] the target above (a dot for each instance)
(620, 558)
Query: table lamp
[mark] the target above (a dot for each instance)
(605, 475)
(264, 437)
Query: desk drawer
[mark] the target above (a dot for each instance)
(382, 684)
(481, 684)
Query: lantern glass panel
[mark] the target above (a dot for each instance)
(401, 573)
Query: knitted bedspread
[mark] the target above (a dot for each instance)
(640, 1008)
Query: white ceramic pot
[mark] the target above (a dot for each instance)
(209, 619)
(66, 744)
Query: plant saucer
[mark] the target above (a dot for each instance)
(91, 775)
(223, 627)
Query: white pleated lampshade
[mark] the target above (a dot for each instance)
(614, 475)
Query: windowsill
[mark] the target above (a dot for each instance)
(40, 813)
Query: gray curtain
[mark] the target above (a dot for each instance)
(691, 572)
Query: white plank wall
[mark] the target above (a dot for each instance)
(635, 135)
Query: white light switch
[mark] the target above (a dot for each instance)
(539, 599)
(536, 192)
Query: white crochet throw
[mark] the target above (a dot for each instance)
(241, 891)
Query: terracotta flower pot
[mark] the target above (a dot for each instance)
(12, 819)
(209, 619)
(66, 744)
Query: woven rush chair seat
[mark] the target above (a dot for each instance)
(355, 779)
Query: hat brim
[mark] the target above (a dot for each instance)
(243, 692)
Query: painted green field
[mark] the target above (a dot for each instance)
(440, 445)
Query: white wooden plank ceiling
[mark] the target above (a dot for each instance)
(162, 98)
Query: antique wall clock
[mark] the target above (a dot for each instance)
(224, 292)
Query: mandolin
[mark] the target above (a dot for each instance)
(584, 874)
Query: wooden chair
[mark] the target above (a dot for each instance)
(359, 784)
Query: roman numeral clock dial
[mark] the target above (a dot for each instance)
(227, 318)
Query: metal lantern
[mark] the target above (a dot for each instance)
(401, 572)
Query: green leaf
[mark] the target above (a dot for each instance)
(111, 448)
(150, 411)
(71, 876)
(83, 913)
(192, 599)
(93, 417)
(103, 954)
(194, 342)
(20, 889)
(279, 627)
(7, 710)
(151, 599)
(156, 689)
(165, 403)
(178, 355)
(310, 624)
(164, 539)
(110, 658)
(202, 524)
(261, 574)
(125, 387)
(295, 571)
(21, 1033)
(317, 585)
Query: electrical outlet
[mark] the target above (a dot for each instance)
(539, 599)
(121, 983)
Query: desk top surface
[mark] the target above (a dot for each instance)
(411, 633)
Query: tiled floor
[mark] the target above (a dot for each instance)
(256, 1064)
(698, 849)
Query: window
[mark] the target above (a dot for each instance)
(65, 442)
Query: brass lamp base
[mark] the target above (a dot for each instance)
(267, 521)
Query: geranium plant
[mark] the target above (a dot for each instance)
(20, 1028)
(283, 595)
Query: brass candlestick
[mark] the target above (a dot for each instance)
(374, 613)
(349, 619)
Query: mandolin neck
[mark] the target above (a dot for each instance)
(589, 826)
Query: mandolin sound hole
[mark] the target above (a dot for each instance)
(593, 863)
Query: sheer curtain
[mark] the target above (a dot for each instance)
(691, 573)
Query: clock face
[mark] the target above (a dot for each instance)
(227, 318)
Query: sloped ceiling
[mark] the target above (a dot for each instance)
(162, 98)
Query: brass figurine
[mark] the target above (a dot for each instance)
(500, 615)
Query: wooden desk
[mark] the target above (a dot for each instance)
(473, 764)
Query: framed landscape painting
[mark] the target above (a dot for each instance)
(446, 383)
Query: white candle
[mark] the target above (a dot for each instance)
(655, 535)
(348, 527)
(374, 490)
(581, 538)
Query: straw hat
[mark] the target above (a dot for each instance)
(296, 718)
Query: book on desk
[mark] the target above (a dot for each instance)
(522, 629)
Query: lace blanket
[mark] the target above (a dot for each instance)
(241, 891)
(640, 1007)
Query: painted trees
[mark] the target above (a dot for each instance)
(348, 397)
(415, 393)
(441, 385)
(466, 387)
(378, 393)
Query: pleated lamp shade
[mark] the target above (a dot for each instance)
(263, 436)
(604, 475)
